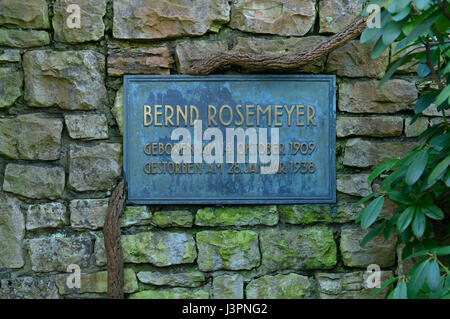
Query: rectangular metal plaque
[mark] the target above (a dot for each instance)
(288, 121)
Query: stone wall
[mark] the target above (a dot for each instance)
(61, 153)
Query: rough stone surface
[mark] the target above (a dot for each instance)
(308, 214)
(304, 214)
(281, 17)
(378, 251)
(94, 167)
(376, 126)
(173, 218)
(153, 19)
(88, 213)
(31, 137)
(354, 184)
(432, 111)
(34, 181)
(188, 279)
(24, 14)
(10, 86)
(436, 120)
(417, 128)
(291, 286)
(28, 288)
(23, 38)
(354, 60)
(294, 248)
(364, 96)
(136, 215)
(87, 126)
(347, 211)
(99, 251)
(117, 109)
(139, 59)
(62, 117)
(96, 283)
(91, 21)
(189, 52)
(228, 287)
(335, 15)
(72, 80)
(237, 216)
(349, 285)
(10, 55)
(48, 215)
(173, 293)
(364, 153)
(228, 249)
(158, 248)
(278, 47)
(56, 253)
(12, 231)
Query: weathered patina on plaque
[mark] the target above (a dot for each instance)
(299, 109)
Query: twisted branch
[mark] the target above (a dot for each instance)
(113, 247)
(284, 62)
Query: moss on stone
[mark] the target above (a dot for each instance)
(237, 216)
(172, 293)
(290, 286)
(174, 218)
(293, 248)
(228, 249)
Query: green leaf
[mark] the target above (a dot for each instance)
(391, 32)
(421, 4)
(433, 212)
(419, 223)
(382, 168)
(389, 227)
(394, 176)
(447, 179)
(439, 169)
(407, 251)
(365, 199)
(370, 34)
(423, 70)
(442, 251)
(446, 69)
(372, 234)
(418, 276)
(419, 253)
(442, 140)
(402, 14)
(443, 96)
(419, 30)
(397, 6)
(433, 275)
(425, 101)
(405, 219)
(401, 291)
(400, 197)
(442, 24)
(371, 212)
(415, 170)
(431, 131)
(388, 232)
(379, 48)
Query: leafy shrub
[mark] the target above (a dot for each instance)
(419, 183)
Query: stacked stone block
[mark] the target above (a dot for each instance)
(61, 127)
